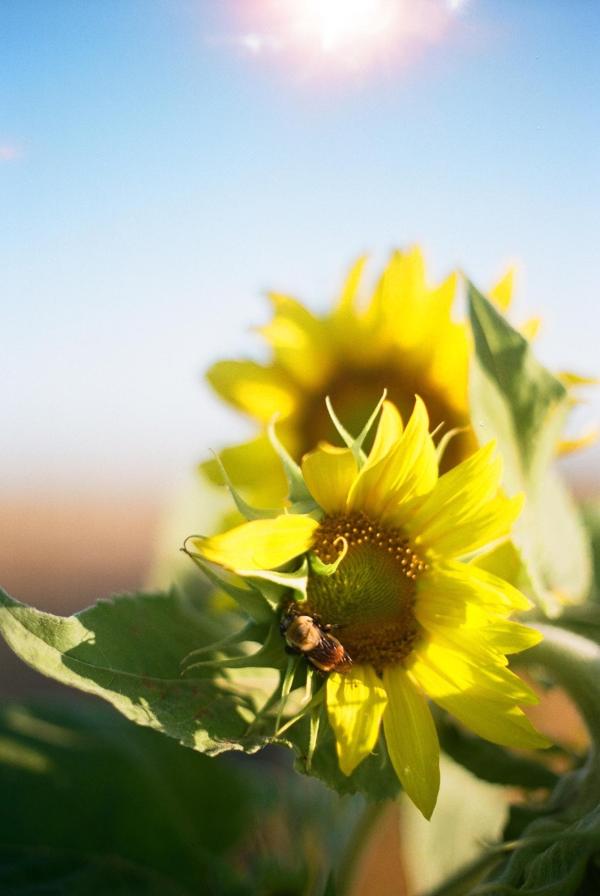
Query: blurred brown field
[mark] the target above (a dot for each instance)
(63, 553)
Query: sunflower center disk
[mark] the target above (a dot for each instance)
(369, 599)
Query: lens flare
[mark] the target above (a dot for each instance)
(325, 37)
(340, 25)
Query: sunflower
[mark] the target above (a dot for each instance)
(403, 339)
(397, 609)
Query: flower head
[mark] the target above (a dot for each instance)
(403, 339)
(385, 596)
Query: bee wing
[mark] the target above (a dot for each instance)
(329, 652)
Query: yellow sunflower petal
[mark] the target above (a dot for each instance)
(482, 698)
(408, 469)
(530, 328)
(329, 473)
(411, 739)
(402, 296)
(260, 544)
(571, 380)
(501, 293)
(356, 700)
(299, 342)
(437, 314)
(389, 430)
(256, 390)
(465, 597)
(465, 510)
(569, 446)
(347, 302)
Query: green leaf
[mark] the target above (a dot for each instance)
(128, 650)
(553, 858)
(520, 404)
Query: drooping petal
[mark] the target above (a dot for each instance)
(259, 391)
(260, 544)
(411, 739)
(356, 700)
(482, 698)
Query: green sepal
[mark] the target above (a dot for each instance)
(250, 600)
(246, 509)
(298, 491)
(270, 655)
(355, 444)
(442, 445)
(297, 580)
(250, 632)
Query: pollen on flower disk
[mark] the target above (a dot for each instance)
(370, 598)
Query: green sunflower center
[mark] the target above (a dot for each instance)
(369, 599)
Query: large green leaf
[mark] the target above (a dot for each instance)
(129, 650)
(520, 404)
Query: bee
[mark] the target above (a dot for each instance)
(305, 634)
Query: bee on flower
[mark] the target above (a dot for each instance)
(371, 573)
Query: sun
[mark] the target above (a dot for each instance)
(344, 25)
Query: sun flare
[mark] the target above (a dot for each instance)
(343, 25)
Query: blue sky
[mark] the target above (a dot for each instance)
(157, 175)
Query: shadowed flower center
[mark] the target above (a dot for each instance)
(369, 599)
(354, 393)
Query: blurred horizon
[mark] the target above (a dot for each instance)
(163, 165)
